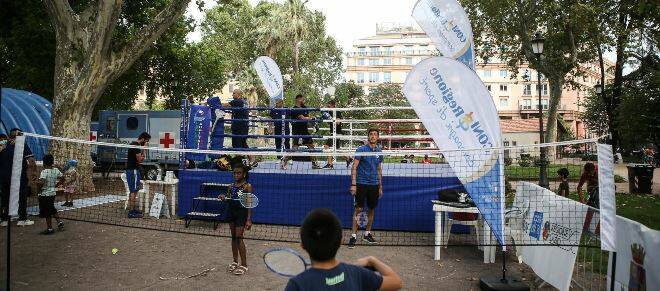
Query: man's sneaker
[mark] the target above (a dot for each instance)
(254, 165)
(351, 242)
(26, 222)
(328, 167)
(48, 231)
(348, 162)
(4, 223)
(369, 238)
(315, 166)
(60, 225)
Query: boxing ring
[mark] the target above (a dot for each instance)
(287, 195)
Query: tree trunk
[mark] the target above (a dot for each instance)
(556, 84)
(296, 56)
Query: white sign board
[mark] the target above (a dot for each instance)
(157, 205)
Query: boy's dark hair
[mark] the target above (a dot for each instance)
(49, 160)
(144, 135)
(589, 167)
(332, 102)
(563, 172)
(2, 135)
(373, 129)
(299, 96)
(320, 234)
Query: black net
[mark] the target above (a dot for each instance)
(424, 201)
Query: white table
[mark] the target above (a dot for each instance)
(441, 220)
(152, 186)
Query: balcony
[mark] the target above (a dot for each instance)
(392, 53)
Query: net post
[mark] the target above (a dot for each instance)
(14, 192)
(182, 133)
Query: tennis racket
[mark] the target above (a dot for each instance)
(287, 262)
(247, 200)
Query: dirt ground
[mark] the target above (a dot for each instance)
(80, 258)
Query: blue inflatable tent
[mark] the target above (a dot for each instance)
(29, 112)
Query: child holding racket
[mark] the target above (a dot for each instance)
(239, 218)
(321, 236)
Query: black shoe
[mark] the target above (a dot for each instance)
(48, 231)
(329, 167)
(351, 242)
(369, 238)
(348, 162)
(315, 167)
(60, 225)
(254, 165)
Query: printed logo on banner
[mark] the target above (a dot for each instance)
(271, 77)
(637, 279)
(535, 228)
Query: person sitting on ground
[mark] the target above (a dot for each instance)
(321, 236)
(48, 180)
(427, 160)
(563, 186)
(590, 176)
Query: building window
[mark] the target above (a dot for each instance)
(506, 143)
(375, 50)
(362, 51)
(424, 49)
(527, 104)
(373, 62)
(504, 101)
(387, 61)
(373, 77)
(504, 88)
(360, 77)
(408, 50)
(388, 50)
(503, 73)
(514, 143)
(487, 74)
(489, 87)
(409, 61)
(387, 77)
(545, 89)
(360, 62)
(544, 103)
(527, 89)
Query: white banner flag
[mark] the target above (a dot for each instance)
(446, 23)
(271, 78)
(637, 257)
(606, 194)
(458, 112)
(553, 222)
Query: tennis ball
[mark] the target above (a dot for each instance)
(115, 251)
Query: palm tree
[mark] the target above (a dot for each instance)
(294, 19)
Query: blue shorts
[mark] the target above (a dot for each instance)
(133, 178)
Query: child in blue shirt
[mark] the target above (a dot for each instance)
(321, 236)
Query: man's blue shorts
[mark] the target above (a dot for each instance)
(133, 178)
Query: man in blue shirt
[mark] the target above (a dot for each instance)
(239, 125)
(366, 184)
(320, 235)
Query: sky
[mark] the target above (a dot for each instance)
(346, 20)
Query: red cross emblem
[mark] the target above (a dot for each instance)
(166, 139)
(92, 135)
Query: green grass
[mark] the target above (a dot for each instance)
(643, 208)
(515, 172)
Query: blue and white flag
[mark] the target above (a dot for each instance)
(450, 99)
(446, 23)
(271, 78)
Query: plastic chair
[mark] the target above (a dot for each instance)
(140, 194)
(472, 223)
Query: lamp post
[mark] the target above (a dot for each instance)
(537, 48)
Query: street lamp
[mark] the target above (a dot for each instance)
(537, 48)
(599, 88)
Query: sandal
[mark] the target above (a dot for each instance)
(240, 270)
(232, 267)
